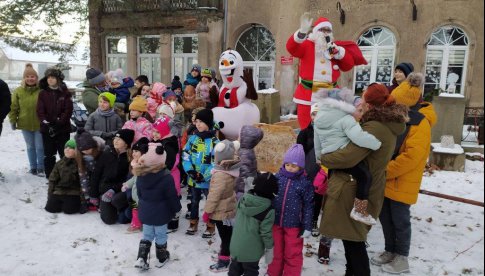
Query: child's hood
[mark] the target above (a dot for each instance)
(252, 205)
(331, 111)
(250, 136)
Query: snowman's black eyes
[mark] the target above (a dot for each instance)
(231, 62)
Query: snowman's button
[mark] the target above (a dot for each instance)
(227, 96)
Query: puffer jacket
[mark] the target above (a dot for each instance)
(335, 127)
(221, 201)
(198, 155)
(142, 128)
(306, 139)
(110, 172)
(64, 178)
(405, 171)
(250, 236)
(294, 202)
(24, 106)
(250, 137)
(98, 124)
(122, 92)
(55, 107)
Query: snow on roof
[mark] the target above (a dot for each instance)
(14, 53)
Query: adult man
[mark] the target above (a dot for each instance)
(321, 60)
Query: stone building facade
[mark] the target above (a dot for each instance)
(442, 38)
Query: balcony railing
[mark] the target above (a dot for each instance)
(114, 6)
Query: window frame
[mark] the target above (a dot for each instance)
(117, 56)
(151, 77)
(185, 56)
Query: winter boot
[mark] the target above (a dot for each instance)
(398, 265)
(194, 225)
(383, 258)
(163, 255)
(143, 259)
(210, 231)
(40, 172)
(222, 264)
(315, 230)
(323, 253)
(173, 225)
(359, 212)
(135, 225)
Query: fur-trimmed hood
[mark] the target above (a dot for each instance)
(395, 113)
(140, 170)
(330, 111)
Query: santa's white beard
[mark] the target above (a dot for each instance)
(320, 41)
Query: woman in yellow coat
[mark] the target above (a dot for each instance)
(404, 174)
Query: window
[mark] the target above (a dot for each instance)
(149, 58)
(378, 45)
(257, 48)
(185, 49)
(446, 57)
(116, 53)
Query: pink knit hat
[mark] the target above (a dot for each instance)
(162, 125)
(155, 156)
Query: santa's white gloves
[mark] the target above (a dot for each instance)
(305, 23)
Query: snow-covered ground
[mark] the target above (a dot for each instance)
(447, 236)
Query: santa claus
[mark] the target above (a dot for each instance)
(321, 60)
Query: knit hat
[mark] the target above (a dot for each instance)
(176, 83)
(265, 185)
(314, 108)
(207, 73)
(295, 155)
(117, 76)
(206, 116)
(409, 91)
(169, 93)
(357, 101)
(166, 109)
(196, 67)
(225, 150)
(54, 72)
(162, 125)
(376, 94)
(343, 94)
(71, 143)
(406, 67)
(29, 71)
(110, 96)
(84, 140)
(141, 145)
(155, 155)
(139, 104)
(126, 135)
(94, 76)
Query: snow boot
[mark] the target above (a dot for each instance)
(359, 212)
(135, 225)
(398, 265)
(194, 225)
(143, 259)
(41, 173)
(315, 230)
(383, 258)
(162, 253)
(210, 231)
(222, 264)
(173, 225)
(323, 253)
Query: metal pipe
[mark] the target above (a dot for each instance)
(454, 198)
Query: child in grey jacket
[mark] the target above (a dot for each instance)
(336, 125)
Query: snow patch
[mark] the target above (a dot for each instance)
(457, 149)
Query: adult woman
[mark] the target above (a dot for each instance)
(23, 116)
(54, 109)
(385, 120)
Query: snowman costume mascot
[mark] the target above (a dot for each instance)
(234, 107)
(321, 60)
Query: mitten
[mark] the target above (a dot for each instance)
(206, 217)
(305, 23)
(106, 135)
(94, 201)
(268, 255)
(108, 195)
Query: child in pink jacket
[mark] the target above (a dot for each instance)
(138, 123)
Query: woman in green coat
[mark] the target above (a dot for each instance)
(23, 116)
(385, 120)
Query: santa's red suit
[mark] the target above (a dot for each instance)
(319, 71)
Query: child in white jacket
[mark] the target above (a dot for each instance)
(336, 125)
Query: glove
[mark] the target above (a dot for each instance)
(14, 126)
(306, 234)
(206, 217)
(305, 23)
(107, 135)
(268, 255)
(94, 201)
(108, 195)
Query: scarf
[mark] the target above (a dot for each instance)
(107, 113)
(290, 175)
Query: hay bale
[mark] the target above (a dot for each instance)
(271, 149)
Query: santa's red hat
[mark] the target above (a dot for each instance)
(320, 23)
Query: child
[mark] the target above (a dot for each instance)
(249, 137)
(193, 78)
(145, 91)
(293, 214)
(155, 98)
(252, 235)
(162, 135)
(220, 207)
(119, 86)
(198, 160)
(104, 122)
(170, 98)
(138, 123)
(158, 204)
(64, 187)
(140, 82)
(335, 127)
(129, 187)
(176, 87)
(190, 102)
(206, 88)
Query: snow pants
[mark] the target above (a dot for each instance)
(288, 256)
(68, 204)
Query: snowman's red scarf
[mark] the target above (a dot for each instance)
(233, 102)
